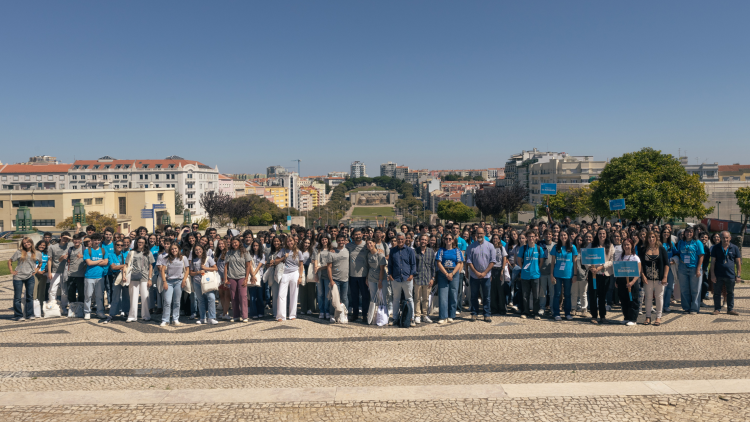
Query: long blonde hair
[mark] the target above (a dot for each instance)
(32, 251)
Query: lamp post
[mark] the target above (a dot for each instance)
(186, 217)
(23, 221)
(79, 214)
(165, 220)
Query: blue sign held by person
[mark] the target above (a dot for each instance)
(592, 256)
(549, 189)
(617, 204)
(626, 269)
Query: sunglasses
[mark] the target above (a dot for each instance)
(118, 244)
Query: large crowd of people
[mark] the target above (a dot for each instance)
(436, 271)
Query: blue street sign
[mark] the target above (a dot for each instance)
(160, 206)
(549, 188)
(147, 213)
(617, 204)
(592, 256)
(626, 269)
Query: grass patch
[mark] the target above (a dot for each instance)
(373, 212)
(745, 269)
(4, 268)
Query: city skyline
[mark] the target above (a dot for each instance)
(248, 85)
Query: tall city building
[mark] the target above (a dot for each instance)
(274, 171)
(357, 169)
(388, 169)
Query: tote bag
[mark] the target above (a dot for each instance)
(210, 282)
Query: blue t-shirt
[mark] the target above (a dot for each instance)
(530, 261)
(155, 253)
(690, 252)
(564, 261)
(671, 250)
(45, 257)
(108, 249)
(115, 259)
(449, 257)
(94, 271)
(462, 244)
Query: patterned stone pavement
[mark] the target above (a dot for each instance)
(74, 355)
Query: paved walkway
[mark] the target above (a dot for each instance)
(693, 367)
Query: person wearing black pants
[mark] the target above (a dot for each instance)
(75, 289)
(599, 278)
(629, 288)
(497, 292)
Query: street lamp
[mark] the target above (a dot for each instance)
(186, 218)
(718, 210)
(165, 220)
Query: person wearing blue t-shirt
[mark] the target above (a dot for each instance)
(449, 263)
(120, 299)
(689, 272)
(109, 246)
(564, 258)
(96, 262)
(531, 258)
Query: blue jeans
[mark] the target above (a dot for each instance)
(89, 284)
(255, 297)
(562, 283)
(206, 302)
(18, 286)
(119, 301)
(324, 286)
(447, 295)
(357, 286)
(484, 284)
(690, 288)
(343, 294)
(721, 282)
(172, 296)
(668, 290)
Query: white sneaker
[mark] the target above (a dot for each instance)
(177, 323)
(199, 322)
(417, 320)
(569, 317)
(163, 324)
(427, 319)
(130, 320)
(514, 307)
(333, 319)
(541, 312)
(85, 316)
(557, 318)
(523, 316)
(450, 319)
(441, 322)
(213, 321)
(630, 323)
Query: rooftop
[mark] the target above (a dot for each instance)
(36, 168)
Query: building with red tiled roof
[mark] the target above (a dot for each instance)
(34, 176)
(734, 172)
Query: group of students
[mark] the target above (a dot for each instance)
(496, 269)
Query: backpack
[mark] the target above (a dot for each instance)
(406, 313)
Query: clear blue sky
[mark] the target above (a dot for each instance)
(430, 84)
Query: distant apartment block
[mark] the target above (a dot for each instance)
(274, 171)
(388, 169)
(567, 172)
(358, 169)
(734, 173)
(708, 172)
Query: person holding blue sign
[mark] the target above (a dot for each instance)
(532, 257)
(600, 276)
(628, 287)
(689, 272)
(655, 270)
(564, 257)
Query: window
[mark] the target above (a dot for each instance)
(124, 176)
(31, 204)
(156, 176)
(160, 196)
(83, 177)
(145, 166)
(190, 196)
(39, 177)
(171, 166)
(190, 175)
(27, 177)
(74, 177)
(15, 178)
(1, 204)
(85, 167)
(107, 166)
(62, 186)
(158, 166)
(117, 176)
(50, 178)
(156, 186)
(5, 178)
(87, 201)
(37, 223)
(75, 186)
(122, 205)
(96, 167)
(190, 206)
(127, 166)
(99, 201)
(118, 166)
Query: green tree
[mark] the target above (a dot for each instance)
(655, 186)
(94, 218)
(743, 201)
(179, 207)
(455, 211)
(559, 206)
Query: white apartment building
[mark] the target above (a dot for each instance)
(188, 177)
(567, 172)
(358, 169)
(341, 174)
(708, 172)
(34, 176)
(388, 169)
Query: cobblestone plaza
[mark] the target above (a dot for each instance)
(690, 368)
